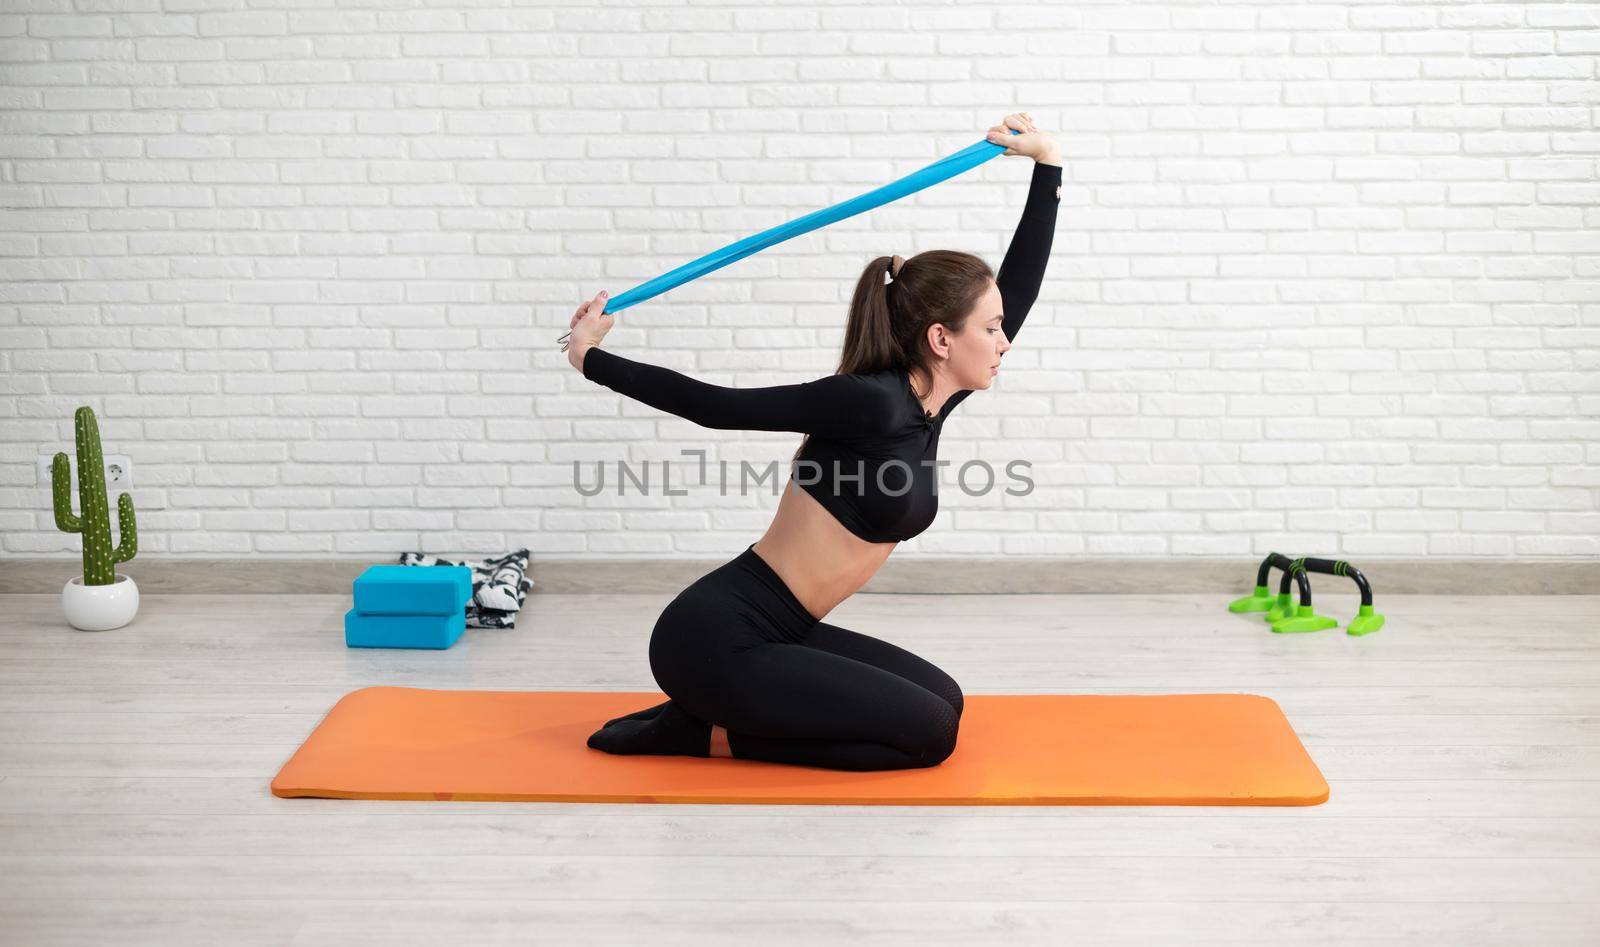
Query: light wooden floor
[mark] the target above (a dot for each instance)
(1461, 744)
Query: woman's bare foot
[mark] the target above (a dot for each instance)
(719, 742)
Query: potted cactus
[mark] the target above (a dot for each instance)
(101, 598)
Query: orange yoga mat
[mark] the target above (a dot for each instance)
(1017, 750)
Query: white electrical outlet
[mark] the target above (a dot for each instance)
(119, 471)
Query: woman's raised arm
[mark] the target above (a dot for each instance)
(1022, 271)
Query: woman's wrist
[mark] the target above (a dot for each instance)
(1053, 156)
(576, 354)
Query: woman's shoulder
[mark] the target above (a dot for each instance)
(886, 394)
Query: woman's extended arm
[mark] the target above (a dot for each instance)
(1022, 271)
(842, 405)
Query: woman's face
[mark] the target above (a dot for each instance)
(975, 352)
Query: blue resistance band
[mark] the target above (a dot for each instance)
(941, 170)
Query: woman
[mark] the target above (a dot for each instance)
(752, 670)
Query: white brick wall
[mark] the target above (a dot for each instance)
(1327, 277)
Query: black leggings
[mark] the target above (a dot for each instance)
(737, 649)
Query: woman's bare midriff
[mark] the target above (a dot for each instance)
(816, 557)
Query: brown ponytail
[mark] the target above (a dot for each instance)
(890, 313)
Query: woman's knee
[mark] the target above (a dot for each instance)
(889, 657)
(951, 692)
(939, 739)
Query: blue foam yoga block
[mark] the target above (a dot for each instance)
(413, 590)
(403, 631)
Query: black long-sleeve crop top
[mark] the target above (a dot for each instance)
(869, 434)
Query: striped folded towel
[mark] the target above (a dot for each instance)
(499, 586)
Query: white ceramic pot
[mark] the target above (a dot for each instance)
(100, 607)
